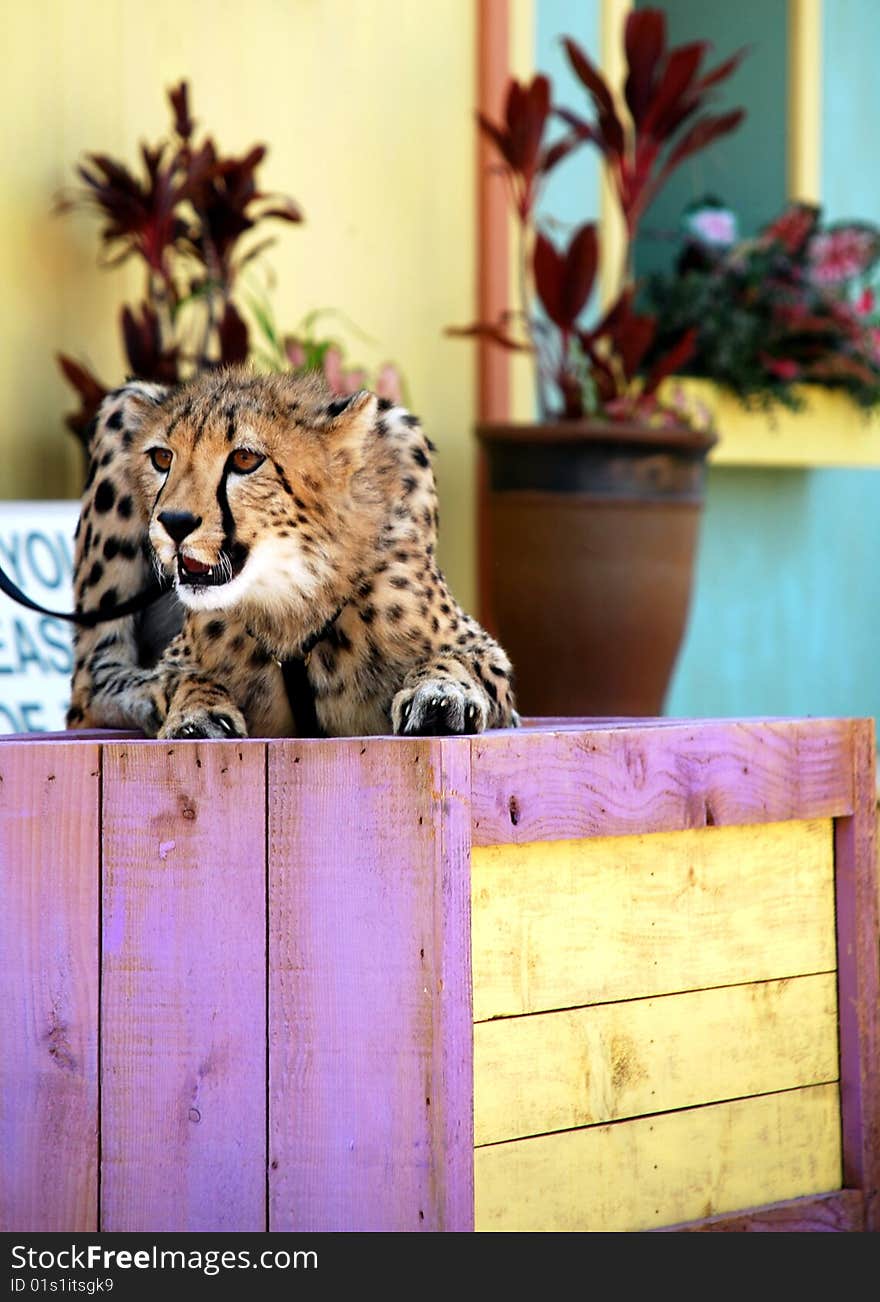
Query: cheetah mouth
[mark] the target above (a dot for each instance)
(195, 574)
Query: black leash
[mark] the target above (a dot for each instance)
(88, 618)
(301, 697)
(300, 693)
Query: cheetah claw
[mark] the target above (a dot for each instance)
(438, 709)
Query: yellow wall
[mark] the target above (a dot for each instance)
(367, 107)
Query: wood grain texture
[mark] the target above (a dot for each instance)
(858, 926)
(616, 1061)
(535, 785)
(370, 1014)
(562, 924)
(49, 874)
(834, 1213)
(660, 1170)
(184, 987)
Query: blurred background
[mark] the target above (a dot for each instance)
(367, 108)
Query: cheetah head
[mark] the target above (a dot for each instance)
(259, 492)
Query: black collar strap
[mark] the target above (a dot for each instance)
(88, 618)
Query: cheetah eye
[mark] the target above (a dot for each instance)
(161, 459)
(243, 461)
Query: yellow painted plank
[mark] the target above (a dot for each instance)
(561, 924)
(660, 1170)
(829, 430)
(617, 1061)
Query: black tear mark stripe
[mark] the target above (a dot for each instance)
(225, 512)
(236, 551)
(279, 471)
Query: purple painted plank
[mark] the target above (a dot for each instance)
(537, 785)
(371, 1076)
(842, 1212)
(183, 1061)
(858, 928)
(49, 870)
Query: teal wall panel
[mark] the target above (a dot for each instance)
(746, 169)
(571, 196)
(786, 611)
(850, 107)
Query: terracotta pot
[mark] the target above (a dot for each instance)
(591, 535)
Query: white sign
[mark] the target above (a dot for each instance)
(36, 655)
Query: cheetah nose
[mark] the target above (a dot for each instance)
(179, 524)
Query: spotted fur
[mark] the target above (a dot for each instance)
(291, 522)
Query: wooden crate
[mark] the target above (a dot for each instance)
(581, 976)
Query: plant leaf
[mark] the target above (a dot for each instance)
(91, 394)
(672, 361)
(287, 210)
(644, 44)
(183, 123)
(722, 71)
(582, 130)
(564, 281)
(702, 133)
(610, 127)
(634, 342)
(233, 335)
(679, 72)
(494, 333)
(549, 158)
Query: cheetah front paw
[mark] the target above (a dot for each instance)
(205, 723)
(439, 708)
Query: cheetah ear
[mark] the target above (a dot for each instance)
(127, 408)
(351, 424)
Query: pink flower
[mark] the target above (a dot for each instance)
(295, 353)
(713, 226)
(341, 381)
(782, 367)
(792, 228)
(840, 255)
(865, 302)
(389, 384)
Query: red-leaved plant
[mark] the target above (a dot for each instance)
(794, 305)
(597, 369)
(184, 217)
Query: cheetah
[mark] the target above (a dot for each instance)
(295, 531)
